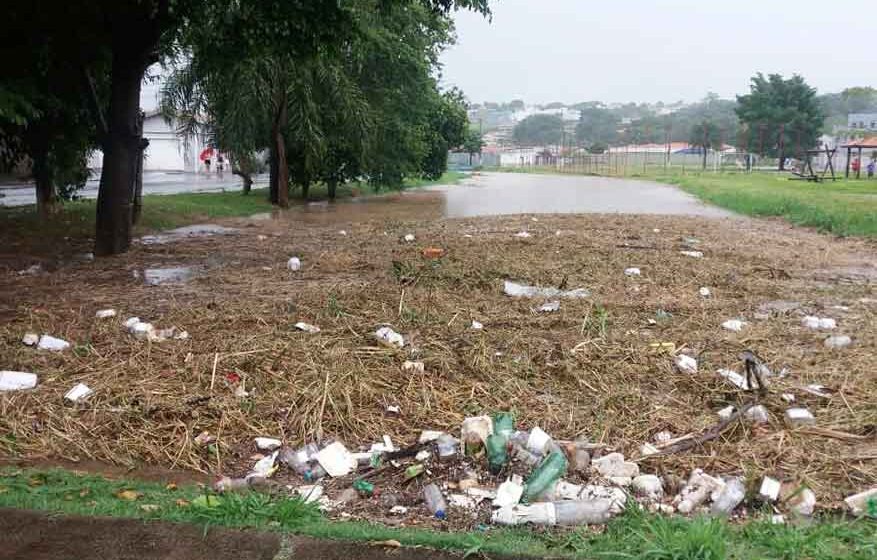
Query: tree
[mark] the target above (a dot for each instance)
(447, 128)
(473, 143)
(539, 130)
(707, 136)
(787, 110)
(597, 125)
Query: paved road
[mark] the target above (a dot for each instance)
(154, 182)
(41, 536)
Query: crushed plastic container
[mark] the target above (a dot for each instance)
(734, 325)
(336, 459)
(267, 444)
(51, 343)
(79, 392)
(17, 380)
(105, 313)
(509, 492)
(686, 364)
(30, 339)
(389, 337)
(632, 271)
(308, 328)
(841, 341)
(726, 499)
(551, 469)
(435, 501)
(474, 433)
(446, 447)
(538, 441)
(549, 307)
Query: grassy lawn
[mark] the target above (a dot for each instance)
(633, 535)
(76, 219)
(841, 208)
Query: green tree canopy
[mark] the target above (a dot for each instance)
(539, 130)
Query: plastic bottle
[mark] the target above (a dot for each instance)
(583, 512)
(414, 471)
(562, 490)
(551, 469)
(314, 472)
(525, 456)
(729, 497)
(497, 452)
(435, 501)
(503, 424)
(446, 445)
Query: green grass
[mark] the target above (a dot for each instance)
(845, 208)
(634, 535)
(76, 218)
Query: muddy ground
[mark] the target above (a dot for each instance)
(585, 371)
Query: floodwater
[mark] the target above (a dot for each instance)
(494, 194)
(197, 230)
(170, 275)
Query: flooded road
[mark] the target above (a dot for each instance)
(493, 194)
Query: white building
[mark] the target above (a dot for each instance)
(862, 121)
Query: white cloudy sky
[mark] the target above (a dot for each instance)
(651, 50)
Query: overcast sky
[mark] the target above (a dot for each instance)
(658, 50)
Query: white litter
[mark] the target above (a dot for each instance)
(310, 493)
(129, 323)
(693, 254)
(523, 234)
(632, 271)
(463, 501)
(394, 409)
(778, 519)
(734, 378)
(305, 327)
(549, 307)
(261, 237)
(699, 488)
(30, 339)
(735, 325)
(31, 270)
(863, 502)
(476, 429)
(143, 331)
(79, 392)
(409, 237)
(336, 459)
(726, 499)
(726, 412)
(520, 290)
(423, 455)
(613, 465)
(616, 496)
(770, 489)
(812, 322)
(398, 510)
(294, 264)
(841, 341)
(477, 326)
(105, 313)
(182, 335)
(51, 343)
(799, 417)
(17, 380)
(389, 337)
(818, 390)
(412, 367)
(705, 292)
(788, 397)
(267, 443)
(648, 486)
(686, 364)
(538, 440)
(757, 415)
(264, 467)
(342, 232)
(803, 503)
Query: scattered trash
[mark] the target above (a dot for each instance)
(520, 290)
(863, 503)
(818, 390)
(549, 307)
(734, 378)
(389, 337)
(549, 470)
(294, 264)
(705, 292)
(802, 502)
(105, 313)
(336, 460)
(686, 364)
(143, 331)
(30, 339)
(726, 499)
(841, 341)
(726, 413)
(613, 465)
(523, 234)
(409, 237)
(267, 444)
(78, 393)
(693, 254)
(433, 253)
(476, 326)
(398, 510)
(261, 237)
(342, 232)
(538, 441)
(53, 344)
(463, 501)
(435, 502)
(734, 325)
(699, 488)
(474, 433)
(17, 380)
(648, 486)
(394, 409)
(815, 323)
(770, 489)
(757, 415)
(197, 230)
(170, 275)
(305, 327)
(264, 467)
(788, 397)
(447, 446)
(422, 455)
(632, 271)
(310, 493)
(413, 367)
(778, 519)
(509, 492)
(799, 417)
(204, 438)
(566, 513)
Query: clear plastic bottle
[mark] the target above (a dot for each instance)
(314, 472)
(729, 497)
(525, 456)
(446, 446)
(435, 501)
(582, 512)
(551, 469)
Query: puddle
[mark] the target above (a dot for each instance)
(198, 230)
(170, 275)
(493, 194)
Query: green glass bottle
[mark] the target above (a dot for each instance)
(549, 470)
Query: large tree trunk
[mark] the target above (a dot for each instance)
(47, 196)
(332, 186)
(282, 171)
(245, 177)
(305, 187)
(272, 170)
(704, 157)
(121, 151)
(137, 207)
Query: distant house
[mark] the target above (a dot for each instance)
(862, 121)
(167, 151)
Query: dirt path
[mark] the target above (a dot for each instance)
(38, 536)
